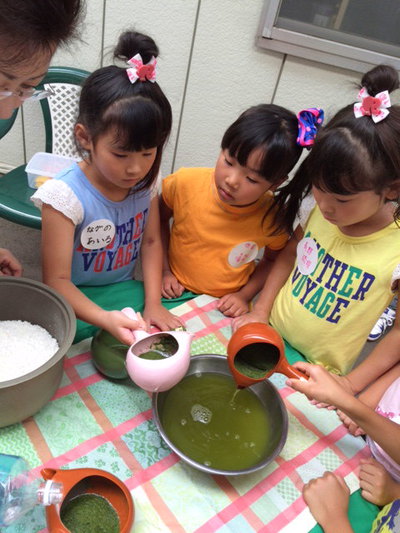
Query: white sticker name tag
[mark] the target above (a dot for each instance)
(307, 255)
(98, 234)
(243, 253)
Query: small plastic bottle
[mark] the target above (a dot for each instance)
(20, 491)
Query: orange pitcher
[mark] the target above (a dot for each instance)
(89, 481)
(255, 351)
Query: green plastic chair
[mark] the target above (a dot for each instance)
(6, 124)
(59, 114)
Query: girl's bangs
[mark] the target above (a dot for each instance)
(272, 166)
(340, 166)
(241, 150)
(277, 156)
(137, 126)
(337, 183)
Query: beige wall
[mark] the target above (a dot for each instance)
(209, 68)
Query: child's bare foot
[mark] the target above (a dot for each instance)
(351, 426)
(377, 485)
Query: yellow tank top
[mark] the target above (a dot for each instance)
(328, 314)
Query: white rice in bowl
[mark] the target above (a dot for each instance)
(23, 347)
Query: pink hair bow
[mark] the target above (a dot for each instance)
(374, 106)
(141, 71)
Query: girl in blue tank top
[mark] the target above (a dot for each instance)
(100, 214)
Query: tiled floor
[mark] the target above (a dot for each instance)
(24, 243)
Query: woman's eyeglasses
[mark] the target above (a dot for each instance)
(28, 94)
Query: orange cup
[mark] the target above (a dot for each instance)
(90, 481)
(260, 346)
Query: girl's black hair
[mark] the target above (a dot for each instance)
(350, 154)
(270, 128)
(31, 26)
(139, 113)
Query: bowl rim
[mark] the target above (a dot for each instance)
(209, 470)
(71, 318)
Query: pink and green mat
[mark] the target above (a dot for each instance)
(95, 422)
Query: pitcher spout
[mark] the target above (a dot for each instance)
(184, 339)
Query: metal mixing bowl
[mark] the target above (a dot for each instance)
(26, 299)
(267, 394)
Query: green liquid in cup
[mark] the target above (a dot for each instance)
(215, 424)
(153, 355)
(89, 513)
(256, 360)
(164, 346)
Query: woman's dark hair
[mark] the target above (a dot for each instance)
(138, 114)
(350, 154)
(273, 130)
(31, 26)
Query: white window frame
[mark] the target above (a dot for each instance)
(354, 56)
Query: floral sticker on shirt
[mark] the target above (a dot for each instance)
(243, 253)
(307, 255)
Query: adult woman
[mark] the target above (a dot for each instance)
(30, 32)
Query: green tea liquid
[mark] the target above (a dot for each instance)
(215, 424)
(256, 360)
(89, 513)
(164, 346)
(152, 355)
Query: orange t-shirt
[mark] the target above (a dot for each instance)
(213, 245)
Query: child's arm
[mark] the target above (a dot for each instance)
(170, 288)
(57, 249)
(280, 272)
(9, 265)
(151, 253)
(237, 303)
(324, 388)
(328, 500)
(370, 397)
(380, 360)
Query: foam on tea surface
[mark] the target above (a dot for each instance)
(214, 424)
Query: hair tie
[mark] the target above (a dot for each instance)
(309, 121)
(373, 106)
(141, 71)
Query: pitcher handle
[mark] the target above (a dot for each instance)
(292, 372)
(130, 313)
(140, 334)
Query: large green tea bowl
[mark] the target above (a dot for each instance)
(265, 391)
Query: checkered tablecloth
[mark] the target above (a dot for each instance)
(94, 422)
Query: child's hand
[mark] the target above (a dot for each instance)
(328, 500)
(351, 426)
(160, 317)
(170, 286)
(9, 265)
(321, 385)
(253, 316)
(233, 305)
(121, 327)
(377, 485)
(344, 382)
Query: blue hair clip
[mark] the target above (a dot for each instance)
(309, 121)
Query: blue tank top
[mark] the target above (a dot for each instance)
(107, 241)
